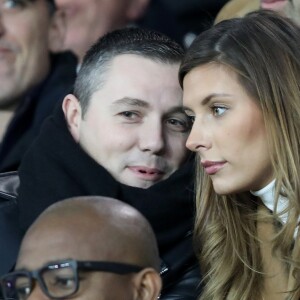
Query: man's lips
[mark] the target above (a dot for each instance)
(212, 167)
(4, 51)
(8, 46)
(7, 56)
(147, 173)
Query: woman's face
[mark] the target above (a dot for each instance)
(228, 131)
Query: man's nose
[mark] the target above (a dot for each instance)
(151, 137)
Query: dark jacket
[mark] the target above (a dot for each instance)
(56, 167)
(36, 105)
(10, 233)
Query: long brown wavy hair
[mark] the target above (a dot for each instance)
(263, 49)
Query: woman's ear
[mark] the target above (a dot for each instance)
(148, 285)
(72, 112)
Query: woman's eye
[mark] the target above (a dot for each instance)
(218, 110)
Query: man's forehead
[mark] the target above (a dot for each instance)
(134, 102)
(129, 73)
(45, 244)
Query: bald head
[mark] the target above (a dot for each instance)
(91, 228)
(87, 248)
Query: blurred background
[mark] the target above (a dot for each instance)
(181, 19)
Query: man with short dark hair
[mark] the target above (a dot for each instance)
(122, 134)
(86, 248)
(32, 79)
(126, 110)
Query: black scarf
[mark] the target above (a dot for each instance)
(35, 106)
(56, 167)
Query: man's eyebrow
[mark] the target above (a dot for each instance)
(141, 103)
(131, 102)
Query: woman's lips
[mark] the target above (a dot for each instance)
(212, 167)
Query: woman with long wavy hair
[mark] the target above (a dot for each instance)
(241, 83)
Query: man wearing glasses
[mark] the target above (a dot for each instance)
(86, 248)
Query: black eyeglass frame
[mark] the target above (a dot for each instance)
(96, 266)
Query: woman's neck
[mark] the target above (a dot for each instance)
(267, 195)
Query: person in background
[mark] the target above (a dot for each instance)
(288, 8)
(88, 20)
(181, 20)
(241, 90)
(32, 80)
(86, 248)
(239, 8)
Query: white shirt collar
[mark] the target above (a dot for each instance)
(267, 195)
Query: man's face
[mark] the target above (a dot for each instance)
(61, 240)
(288, 8)
(135, 126)
(24, 56)
(87, 20)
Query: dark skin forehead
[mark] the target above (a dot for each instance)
(107, 232)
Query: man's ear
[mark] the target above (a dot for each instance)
(57, 31)
(136, 9)
(148, 285)
(72, 112)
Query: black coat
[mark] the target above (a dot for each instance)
(35, 106)
(56, 167)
